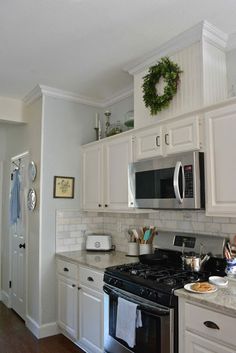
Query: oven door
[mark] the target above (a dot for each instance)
(156, 334)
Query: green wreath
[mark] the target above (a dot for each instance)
(170, 72)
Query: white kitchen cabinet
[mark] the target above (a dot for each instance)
(68, 306)
(197, 344)
(105, 174)
(92, 176)
(91, 310)
(220, 129)
(91, 320)
(204, 330)
(176, 136)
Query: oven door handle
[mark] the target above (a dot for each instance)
(178, 166)
(155, 310)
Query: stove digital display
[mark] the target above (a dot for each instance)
(188, 241)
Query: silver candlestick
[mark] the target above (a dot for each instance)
(107, 123)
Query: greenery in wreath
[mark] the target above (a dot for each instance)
(170, 72)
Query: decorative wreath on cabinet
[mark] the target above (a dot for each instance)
(170, 72)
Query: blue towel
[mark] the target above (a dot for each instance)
(15, 198)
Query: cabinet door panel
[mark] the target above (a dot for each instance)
(182, 135)
(91, 319)
(197, 344)
(67, 306)
(221, 162)
(148, 143)
(92, 176)
(118, 154)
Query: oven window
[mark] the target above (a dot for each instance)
(155, 184)
(148, 337)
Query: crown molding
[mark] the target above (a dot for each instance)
(231, 42)
(42, 90)
(192, 35)
(118, 97)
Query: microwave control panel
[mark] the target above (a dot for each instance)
(188, 175)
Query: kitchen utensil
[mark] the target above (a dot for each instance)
(145, 249)
(133, 249)
(194, 262)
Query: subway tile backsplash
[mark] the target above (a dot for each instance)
(72, 225)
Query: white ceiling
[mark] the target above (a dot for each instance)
(82, 46)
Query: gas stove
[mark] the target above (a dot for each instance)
(154, 282)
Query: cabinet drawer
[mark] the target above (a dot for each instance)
(67, 269)
(91, 278)
(214, 325)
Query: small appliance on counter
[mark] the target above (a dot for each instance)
(99, 242)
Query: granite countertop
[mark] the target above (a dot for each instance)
(98, 260)
(224, 299)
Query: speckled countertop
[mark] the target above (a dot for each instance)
(98, 260)
(224, 299)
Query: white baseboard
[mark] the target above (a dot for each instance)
(42, 331)
(5, 298)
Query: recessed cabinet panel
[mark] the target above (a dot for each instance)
(67, 306)
(221, 162)
(197, 344)
(182, 135)
(148, 143)
(92, 177)
(118, 155)
(91, 319)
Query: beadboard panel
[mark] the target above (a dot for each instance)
(188, 97)
(214, 85)
(203, 82)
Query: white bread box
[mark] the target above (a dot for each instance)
(99, 242)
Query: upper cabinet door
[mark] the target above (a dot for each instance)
(221, 161)
(148, 143)
(117, 156)
(92, 177)
(182, 135)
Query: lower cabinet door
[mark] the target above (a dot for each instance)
(91, 320)
(198, 344)
(68, 306)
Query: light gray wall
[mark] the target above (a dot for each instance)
(66, 126)
(33, 116)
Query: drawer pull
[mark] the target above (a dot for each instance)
(79, 288)
(73, 285)
(211, 324)
(90, 279)
(65, 269)
(158, 141)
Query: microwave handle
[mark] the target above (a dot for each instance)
(176, 182)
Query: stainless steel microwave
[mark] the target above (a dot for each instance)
(175, 182)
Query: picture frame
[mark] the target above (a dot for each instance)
(63, 187)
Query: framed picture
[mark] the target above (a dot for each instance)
(63, 187)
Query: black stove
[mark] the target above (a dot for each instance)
(155, 282)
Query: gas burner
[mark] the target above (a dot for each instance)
(170, 281)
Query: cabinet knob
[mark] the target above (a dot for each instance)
(211, 324)
(106, 205)
(73, 285)
(79, 288)
(65, 269)
(166, 139)
(99, 205)
(22, 246)
(90, 279)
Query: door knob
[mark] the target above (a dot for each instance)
(22, 246)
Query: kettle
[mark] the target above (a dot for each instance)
(194, 262)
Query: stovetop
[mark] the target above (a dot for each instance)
(154, 282)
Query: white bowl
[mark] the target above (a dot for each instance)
(218, 281)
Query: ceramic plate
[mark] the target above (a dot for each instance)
(31, 199)
(189, 289)
(32, 171)
(218, 281)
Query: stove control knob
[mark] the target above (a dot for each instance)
(111, 280)
(151, 293)
(142, 292)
